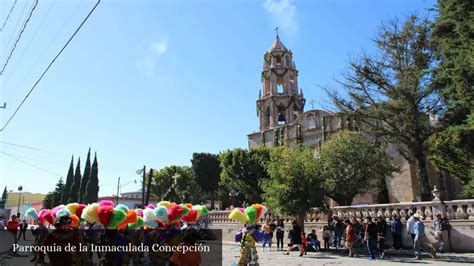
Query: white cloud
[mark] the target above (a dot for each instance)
(159, 47)
(147, 62)
(283, 13)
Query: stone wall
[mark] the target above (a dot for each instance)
(459, 212)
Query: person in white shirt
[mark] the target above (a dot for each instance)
(411, 227)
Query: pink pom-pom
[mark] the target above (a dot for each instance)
(106, 203)
(56, 209)
(150, 206)
(139, 212)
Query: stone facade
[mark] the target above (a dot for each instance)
(283, 121)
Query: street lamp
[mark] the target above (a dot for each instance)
(119, 187)
(20, 188)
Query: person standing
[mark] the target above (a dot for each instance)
(23, 228)
(280, 234)
(350, 237)
(396, 230)
(370, 237)
(338, 229)
(326, 237)
(267, 235)
(411, 227)
(12, 227)
(381, 231)
(40, 233)
(441, 228)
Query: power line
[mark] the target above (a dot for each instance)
(29, 164)
(29, 43)
(50, 64)
(10, 40)
(43, 52)
(18, 145)
(19, 37)
(8, 16)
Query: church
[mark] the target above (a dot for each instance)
(283, 121)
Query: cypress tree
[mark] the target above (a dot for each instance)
(69, 180)
(56, 198)
(4, 198)
(85, 177)
(92, 188)
(74, 191)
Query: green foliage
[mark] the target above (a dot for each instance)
(453, 43)
(4, 198)
(176, 183)
(243, 170)
(69, 180)
(295, 185)
(48, 201)
(391, 94)
(350, 165)
(206, 167)
(74, 192)
(447, 154)
(85, 177)
(53, 198)
(92, 187)
(452, 150)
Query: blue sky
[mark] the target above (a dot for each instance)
(150, 82)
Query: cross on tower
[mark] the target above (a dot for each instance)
(276, 30)
(312, 102)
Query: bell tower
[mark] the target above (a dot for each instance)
(280, 101)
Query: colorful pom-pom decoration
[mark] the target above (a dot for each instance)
(252, 214)
(238, 215)
(91, 213)
(161, 214)
(118, 216)
(72, 207)
(31, 213)
(105, 214)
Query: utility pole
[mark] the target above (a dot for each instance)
(118, 188)
(148, 188)
(143, 186)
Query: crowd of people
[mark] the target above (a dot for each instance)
(366, 236)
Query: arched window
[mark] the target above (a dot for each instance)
(281, 119)
(280, 88)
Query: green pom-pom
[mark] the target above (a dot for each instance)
(139, 223)
(118, 216)
(204, 210)
(251, 213)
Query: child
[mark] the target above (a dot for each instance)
(304, 242)
(326, 236)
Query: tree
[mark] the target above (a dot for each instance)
(391, 95)
(176, 183)
(243, 171)
(350, 165)
(85, 177)
(48, 201)
(4, 198)
(74, 192)
(452, 150)
(92, 188)
(294, 186)
(206, 167)
(69, 180)
(56, 194)
(54, 198)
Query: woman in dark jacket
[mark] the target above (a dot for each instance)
(295, 236)
(280, 233)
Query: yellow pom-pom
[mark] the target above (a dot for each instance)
(238, 215)
(91, 213)
(166, 204)
(72, 207)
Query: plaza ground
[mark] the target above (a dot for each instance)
(231, 255)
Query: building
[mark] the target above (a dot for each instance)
(131, 199)
(283, 121)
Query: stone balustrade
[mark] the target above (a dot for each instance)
(454, 210)
(314, 215)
